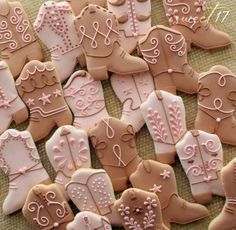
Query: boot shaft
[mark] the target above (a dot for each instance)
(216, 92)
(97, 29)
(201, 156)
(57, 19)
(164, 50)
(114, 142)
(155, 177)
(139, 210)
(164, 114)
(68, 150)
(91, 190)
(16, 29)
(40, 88)
(134, 17)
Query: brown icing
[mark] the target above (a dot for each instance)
(216, 103)
(160, 178)
(226, 219)
(17, 38)
(139, 209)
(165, 52)
(46, 208)
(115, 147)
(188, 17)
(98, 33)
(40, 88)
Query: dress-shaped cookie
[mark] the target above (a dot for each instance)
(216, 104)
(55, 28)
(89, 220)
(226, 220)
(160, 178)
(164, 114)
(79, 5)
(98, 33)
(17, 42)
(46, 208)
(188, 17)
(134, 18)
(114, 143)
(91, 190)
(132, 90)
(40, 88)
(165, 52)
(85, 98)
(19, 160)
(11, 106)
(139, 209)
(68, 150)
(201, 156)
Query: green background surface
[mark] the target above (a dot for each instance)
(200, 60)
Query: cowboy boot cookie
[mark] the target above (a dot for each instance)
(216, 104)
(165, 52)
(40, 88)
(160, 179)
(226, 220)
(132, 91)
(201, 156)
(88, 220)
(18, 44)
(114, 143)
(139, 209)
(134, 18)
(188, 17)
(164, 114)
(19, 160)
(98, 33)
(91, 190)
(11, 106)
(68, 150)
(57, 19)
(84, 96)
(46, 208)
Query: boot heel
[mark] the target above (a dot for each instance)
(20, 116)
(99, 73)
(166, 158)
(189, 48)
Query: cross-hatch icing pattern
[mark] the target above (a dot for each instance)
(96, 27)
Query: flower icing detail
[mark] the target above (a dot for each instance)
(124, 210)
(45, 99)
(172, 15)
(200, 6)
(165, 174)
(156, 188)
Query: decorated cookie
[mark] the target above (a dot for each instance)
(89, 220)
(46, 208)
(216, 104)
(57, 19)
(226, 220)
(134, 18)
(17, 42)
(91, 190)
(160, 179)
(98, 33)
(139, 209)
(201, 156)
(114, 143)
(164, 114)
(165, 52)
(19, 160)
(188, 17)
(132, 90)
(11, 106)
(68, 151)
(84, 96)
(78, 6)
(40, 88)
